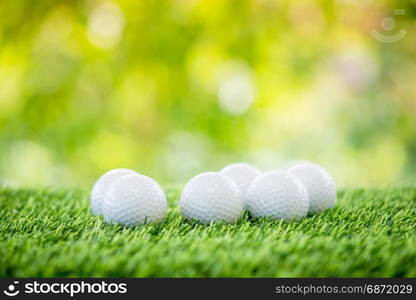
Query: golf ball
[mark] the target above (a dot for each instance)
(242, 174)
(133, 200)
(319, 184)
(211, 197)
(101, 186)
(278, 195)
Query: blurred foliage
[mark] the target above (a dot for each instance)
(172, 88)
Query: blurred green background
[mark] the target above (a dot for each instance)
(173, 88)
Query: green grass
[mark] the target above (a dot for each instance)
(371, 232)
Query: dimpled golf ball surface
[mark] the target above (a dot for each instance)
(242, 174)
(134, 200)
(278, 195)
(319, 184)
(101, 186)
(211, 197)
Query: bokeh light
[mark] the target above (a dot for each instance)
(173, 88)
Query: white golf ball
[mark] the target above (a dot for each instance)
(242, 174)
(134, 199)
(101, 186)
(319, 184)
(211, 197)
(278, 195)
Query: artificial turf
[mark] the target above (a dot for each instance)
(371, 232)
